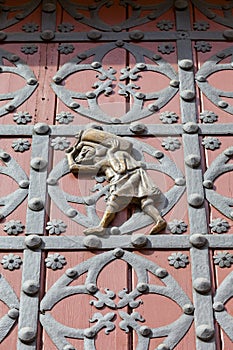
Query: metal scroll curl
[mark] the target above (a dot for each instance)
(218, 167)
(138, 220)
(12, 169)
(106, 77)
(211, 66)
(137, 18)
(16, 98)
(172, 333)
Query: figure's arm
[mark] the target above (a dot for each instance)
(76, 167)
(117, 161)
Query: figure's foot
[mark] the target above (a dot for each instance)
(159, 226)
(98, 231)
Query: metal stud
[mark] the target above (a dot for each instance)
(10, 108)
(41, 128)
(228, 34)
(153, 107)
(33, 241)
(174, 83)
(71, 213)
(161, 273)
(27, 335)
(222, 104)
(89, 333)
(38, 163)
(218, 306)
(186, 64)
(198, 240)
(24, 184)
(96, 64)
(190, 127)
(188, 309)
(193, 160)
(139, 240)
(138, 128)
(136, 35)
(201, 78)
(30, 287)
(3, 36)
(13, 313)
(180, 181)
(49, 7)
(71, 273)
(68, 347)
(74, 105)
(208, 184)
(90, 94)
(195, 200)
(36, 204)
(118, 252)
(57, 79)
(158, 154)
(187, 95)
(145, 331)
(82, 56)
(116, 29)
(142, 287)
(181, 4)
(92, 242)
(13, 58)
(94, 35)
(141, 66)
(51, 181)
(205, 332)
(4, 156)
(119, 43)
(91, 287)
(78, 16)
(140, 95)
(163, 347)
(201, 285)
(228, 152)
(47, 35)
(31, 81)
(156, 57)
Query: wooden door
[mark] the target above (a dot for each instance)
(158, 73)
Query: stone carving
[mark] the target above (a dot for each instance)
(107, 154)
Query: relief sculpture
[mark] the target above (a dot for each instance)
(103, 153)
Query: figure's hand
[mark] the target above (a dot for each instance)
(114, 144)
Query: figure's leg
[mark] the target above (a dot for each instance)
(148, 207)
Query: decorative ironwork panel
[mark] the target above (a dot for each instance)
(156, 77)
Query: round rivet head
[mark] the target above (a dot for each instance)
(218, 306)
(187, 95)
(136, 35)
(208, 184)
(30, 287)
(4, 156)
(90, 94)
(141, 66)
(51, 181)
(92, 242)
(24, 184)
(118, 252)
(142, 287)
(31, 81)
(201, 78)
(36, 204)
(49, 7)
(188, 309)
(57, 79)
(140, 95)
(198, 240)
(3, 36)
(222, 104)
(161, 273)
(158, 154)
(180, 181)
(228, 152)
(163, 347)
(115, 230)
(205, 332)
(96, 64)
(71, 273)
(71, 213)
(89, 333)
(27, 335)
(138, 128)
(13, 313)
(202, 285)
(19, 16)
(181, 4)
(174, 83)
(145, 331)
(221, 54)
(153, 107)
(139, 240)
(186, 64)
(33, 241)
(190, 127)
(195, 200)
(116, 29)
(38, 163)
(82, 56)
(74, 105)
(94, 35)
(68, 347)
(13, 58)
(91, 287)
(152, 16)
(41, 128)
(228, 34)
(47, 35)
(193, 160)
(156, 57)
(119, 43)
(10, 108)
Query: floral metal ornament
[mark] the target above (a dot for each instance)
(171, 144)
(22, 117)
(165, 25)
(219, 225)
(65, 48)
(60, 143)
(211, 143)
(177, 226)
(178, 260)
(13, 227)
(166, 48)
(168, 117)
(208, 117)
(30, 27)
(29, 49)
(64, 117)
(203, 46)
(11, 262)
(21, 145)
(55, 261)
(65, 27)
(223, 259)
(201, 25)
(56, 226)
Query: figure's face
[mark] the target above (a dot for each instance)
(86, 155)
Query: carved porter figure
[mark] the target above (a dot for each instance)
(103, 153)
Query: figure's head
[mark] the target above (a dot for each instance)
(86, 155)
